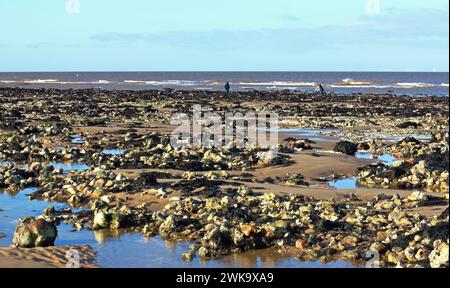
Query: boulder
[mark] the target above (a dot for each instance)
(443, 215)
(147, 179)
(32, 232)
(346, 147)
(101, 220)
(408, 124)
(439, 256)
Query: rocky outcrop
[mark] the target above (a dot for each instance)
(33, 232)
(346, 147)
(439, 256)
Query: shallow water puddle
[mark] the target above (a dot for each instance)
(387, 159)
(351, 183)
(77, 139)
(130, 250)
(65, 166)
(346, 183)
(418, 137)
(113, 151)
(311, 134)
(70, 166)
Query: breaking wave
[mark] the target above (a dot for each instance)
(166, 82)
(349, 81)
(415, 85)
(278, 83)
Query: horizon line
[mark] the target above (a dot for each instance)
(223, 71)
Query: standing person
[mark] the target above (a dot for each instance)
(227, 87)
(319, 89)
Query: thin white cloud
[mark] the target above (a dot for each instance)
(392, 28)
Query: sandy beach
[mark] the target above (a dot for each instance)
(52, 257)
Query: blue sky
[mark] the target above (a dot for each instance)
(233, 35)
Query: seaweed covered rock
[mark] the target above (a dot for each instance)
(32, 232)
(408, 124)
(147, 179)
(427, 171)
(346, 147)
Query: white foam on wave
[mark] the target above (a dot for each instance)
(400, 85)
(349, 81)
(101, 82)
(166, 82)
(361, 86)
(172, 83)
(40, 81)
(444, 84)
(45, 81)
(135, 81)
(278, 83)
(415, 84)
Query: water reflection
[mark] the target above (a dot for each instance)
(346, 183)
(131, 250)
(418, 137)
(105, 235)
(70, 166)
(77, 139)
(113, 151)
(387, 159)
(311, 134)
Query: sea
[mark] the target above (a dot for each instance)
(400, 83)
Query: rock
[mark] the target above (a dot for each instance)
(408, 124)
(147, 179)
(188, 256)
(363, 146)
(300, 244)
(204, 253)
(101, 220)
(50, 210)
(439, 256)
(108, 198)
(418, 196)
(247, 229)
(32, 232)
(379, 247)
(346, 147)
(244, 191)
(443, 215)
(408, 140)
(297, 179)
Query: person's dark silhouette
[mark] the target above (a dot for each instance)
(227, 87)
(319, 89)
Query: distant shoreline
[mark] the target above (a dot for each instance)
(341, 83)
(212, 91)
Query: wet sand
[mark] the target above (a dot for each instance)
(49, 257)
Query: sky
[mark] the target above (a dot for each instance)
(232, 35)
